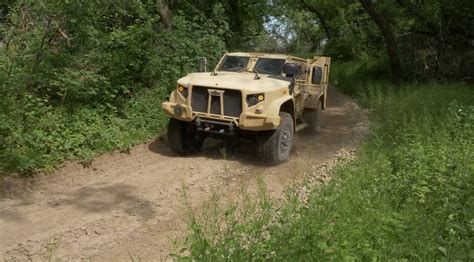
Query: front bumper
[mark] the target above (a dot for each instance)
(246, 121)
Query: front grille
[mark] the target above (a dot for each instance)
(232, 101)
(199, 98)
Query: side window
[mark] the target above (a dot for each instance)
(317, 75)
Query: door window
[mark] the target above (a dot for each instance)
(317, 75)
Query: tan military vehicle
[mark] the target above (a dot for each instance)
(264, 97)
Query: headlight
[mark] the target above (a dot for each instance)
(255, 99)
(182, 90)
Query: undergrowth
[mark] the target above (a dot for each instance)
(47, 135)
(408, 195)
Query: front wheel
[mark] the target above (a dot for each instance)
(183, 137)
(275, 147)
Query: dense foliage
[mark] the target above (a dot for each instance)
(434, 39)
(84, 77)
(408, 196)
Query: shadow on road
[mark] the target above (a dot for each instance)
(240, 150)
(103, 199)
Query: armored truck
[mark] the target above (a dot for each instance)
(263, 97)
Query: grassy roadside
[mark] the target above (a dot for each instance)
(408, 195)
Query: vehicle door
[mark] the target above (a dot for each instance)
(318, 80)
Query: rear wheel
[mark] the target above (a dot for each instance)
(183, 137)
(313, 118)
(275, 147)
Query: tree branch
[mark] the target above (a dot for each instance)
(321, 19)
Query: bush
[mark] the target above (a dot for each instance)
(46, 135)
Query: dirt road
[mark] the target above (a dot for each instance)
(129, 204)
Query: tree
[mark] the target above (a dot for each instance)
(390, 43)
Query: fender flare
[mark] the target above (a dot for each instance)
(275, 106)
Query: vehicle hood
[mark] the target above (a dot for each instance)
(238, 81)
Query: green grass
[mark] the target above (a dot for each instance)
(409, 194)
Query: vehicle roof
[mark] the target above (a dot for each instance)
(267, 55)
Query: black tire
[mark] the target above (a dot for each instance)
(183, 137)
(275, 147)
(313, 118)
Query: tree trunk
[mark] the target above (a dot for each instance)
(390, 43)
(165, 13)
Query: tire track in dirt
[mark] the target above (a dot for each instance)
(130, 204)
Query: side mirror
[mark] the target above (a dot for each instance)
(202, 64)
(291, 70)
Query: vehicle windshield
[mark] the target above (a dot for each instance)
(270, 66)
(234, 63)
